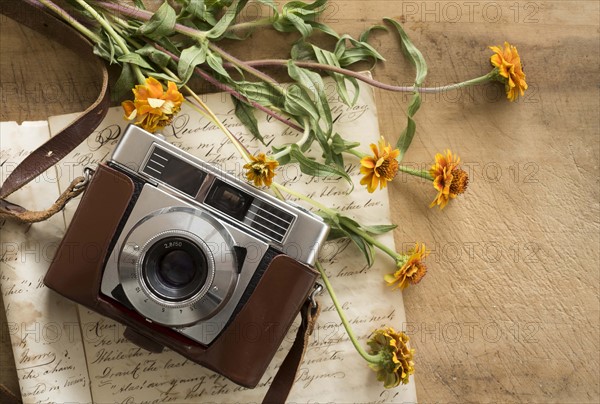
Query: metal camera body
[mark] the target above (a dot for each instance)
(196, 238)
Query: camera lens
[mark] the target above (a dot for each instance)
(175, 268)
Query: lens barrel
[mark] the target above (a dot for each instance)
(175, 268)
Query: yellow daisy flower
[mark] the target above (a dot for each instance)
(261, 170)
(411, 270)
(449, 180)
(153, 108)
(396, 364)
(510, 70)
(379, 168)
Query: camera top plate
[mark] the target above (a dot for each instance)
(288, 228)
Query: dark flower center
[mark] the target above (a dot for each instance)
(460, 180)
(421, 271)
(388, 169)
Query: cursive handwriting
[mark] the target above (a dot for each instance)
(123, 373)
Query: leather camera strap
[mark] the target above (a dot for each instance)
(31, 14)
(7, 396)
(286, 375)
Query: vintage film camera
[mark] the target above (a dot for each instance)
(188, 257)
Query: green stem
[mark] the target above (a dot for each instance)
(250, 24)
(356, 153)
(299, 143)
(235, 141)
(304, 198)
(110, 30)
(320, 66)
(144, 15)
(368, 357)
(74, 23)
(372, 240)
(479, 80)
(123, 23)
(247, 68)
(416, 173)
(105, 24)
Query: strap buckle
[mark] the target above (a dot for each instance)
(317, 289)
(87, 175)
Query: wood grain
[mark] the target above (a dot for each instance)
(509, 310)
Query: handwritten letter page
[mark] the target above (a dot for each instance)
(332, 370)
(43, 327)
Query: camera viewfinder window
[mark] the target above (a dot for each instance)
(173, 171)
(228, 199)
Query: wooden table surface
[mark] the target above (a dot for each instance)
(509, 309)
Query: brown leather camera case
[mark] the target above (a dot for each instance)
(268, 313)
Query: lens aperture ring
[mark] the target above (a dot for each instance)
(151, 282)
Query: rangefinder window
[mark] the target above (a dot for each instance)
(173, 171)
(229, 200)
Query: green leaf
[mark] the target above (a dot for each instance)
(139, 4)
(300, 16)
(303, 28)
(135, 59)
(415, 56)
(161, 59)
(343, 226)
(168, 45)
(283, 160)
(324, 28)
(339, 145)
(197, 8)
(189, 59)
(164, 77)
(366, 247)
(245, 113)
(348, 222)
(329, 58)
(260, 92)
(302, 50)
(407, 135)
(161, 24)
(314, 168)
(215, 61)
(313, 85)
(335, 233)
(298, 103)
(314, 8)
(364, 37)
(417, 59)
(218, 4)
(363, 246)
(124, 84)
(308, 80)
(360, 51)
(105, 51)
(379, 228)
(220, 27)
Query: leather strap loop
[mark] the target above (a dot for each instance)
(32, 15)
(11, 211)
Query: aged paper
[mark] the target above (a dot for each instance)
(43, 327)
(332, 371)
